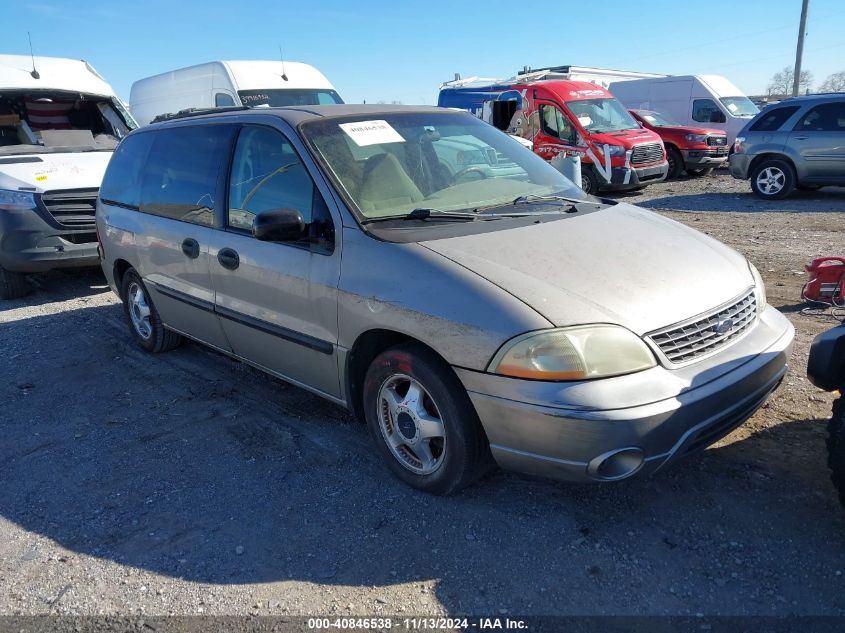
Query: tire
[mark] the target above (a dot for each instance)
(423, 422)
(781, 179)
(139, 309)
(13, 285)
(589, 181)
(836, 447)
(699, 173)
(676, 163)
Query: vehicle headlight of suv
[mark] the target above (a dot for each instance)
(697, 138)
(573, 353)
(16, 200)
(759, 288)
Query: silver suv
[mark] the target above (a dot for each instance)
(798, 143)
(470, 316)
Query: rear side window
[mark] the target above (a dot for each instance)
(180, 178)
(122, 182)
(771, 119)
(828, 117)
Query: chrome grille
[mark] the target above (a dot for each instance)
(717, 140)
(646, 153)
(693, 339)
(72, 208)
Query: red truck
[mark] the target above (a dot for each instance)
(697, 150)
(562, 116)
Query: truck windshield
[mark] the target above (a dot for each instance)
(740, 106)
(602, 115)
(289, 97)
(45, 121)
(393, 163)
(656, 118)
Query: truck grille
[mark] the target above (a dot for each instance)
(689, 341)
(646, 153)
(72, 208)
(717, 141)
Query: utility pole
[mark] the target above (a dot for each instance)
(799, 52)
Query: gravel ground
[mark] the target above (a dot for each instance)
(187, 483)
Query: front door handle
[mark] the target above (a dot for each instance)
(191, 247)
(228, 258)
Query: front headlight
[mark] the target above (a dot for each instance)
(574, 353)
(759, 288)
(614, 150)
(697, 138)
(16, 200)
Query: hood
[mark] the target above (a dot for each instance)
(627, 138)
(46, 172)
(620, 265)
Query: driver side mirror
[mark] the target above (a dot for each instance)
(278, 225)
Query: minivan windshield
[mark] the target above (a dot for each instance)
(390, 164)
(280, 97)
(602, 115)
(740, 106)
(45, 121)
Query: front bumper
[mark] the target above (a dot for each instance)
(30, 242)
(704, 158)
(639, 177)
(564, 430)
(739, 164)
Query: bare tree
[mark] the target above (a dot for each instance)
(781, 82)
(834, 83)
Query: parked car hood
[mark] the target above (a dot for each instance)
(620, 265)
(45, 171)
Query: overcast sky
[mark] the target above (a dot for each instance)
(402, 50)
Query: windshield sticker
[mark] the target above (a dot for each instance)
(585, 120)
(732, 107)
(41, 177)
(365, 133)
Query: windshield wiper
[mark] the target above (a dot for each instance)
(423, 213)
(534, 198)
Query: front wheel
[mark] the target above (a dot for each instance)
(423, 422)
(836, 447)
(676, 163)
(589, 181)
(12, 285)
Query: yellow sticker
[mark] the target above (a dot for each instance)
(41, 178)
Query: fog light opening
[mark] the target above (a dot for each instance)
(616, 464)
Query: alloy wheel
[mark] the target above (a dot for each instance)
(139, 311)
(771, 180)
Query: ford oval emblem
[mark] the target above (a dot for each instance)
(723, 327)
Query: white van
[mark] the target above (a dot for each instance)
(230, 83)
(708, 100)
(59, 125)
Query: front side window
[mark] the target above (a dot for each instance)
(122, 182)
(602, 115)
(828, 117)
(706, 111)
(182, 170)
(278, 97)
(555, 124)
(772, 118)
(223, 100)
(267, 173)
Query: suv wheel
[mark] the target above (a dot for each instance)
(423, 422)
(12, 285)
(589, 181)
(676, 163)
(143, 318)
(836, 447)
(772, 179)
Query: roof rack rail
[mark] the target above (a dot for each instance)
(189, 112)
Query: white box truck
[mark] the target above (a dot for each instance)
(708, 100)
(59, 125)
(230, 83)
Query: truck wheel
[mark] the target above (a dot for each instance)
(676, 163)
(423, 422)
(836, 447)
(12, 285)
(772, 179)
(698, 173)
(589, 181)
(143, 318)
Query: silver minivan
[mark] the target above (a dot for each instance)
(471, 314)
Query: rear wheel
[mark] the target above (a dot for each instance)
(836, 447)
(772, 179)
(589, 180)
(143, 318)
(698, 173)
(12, 285)
(423, 422)
(676, 163)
